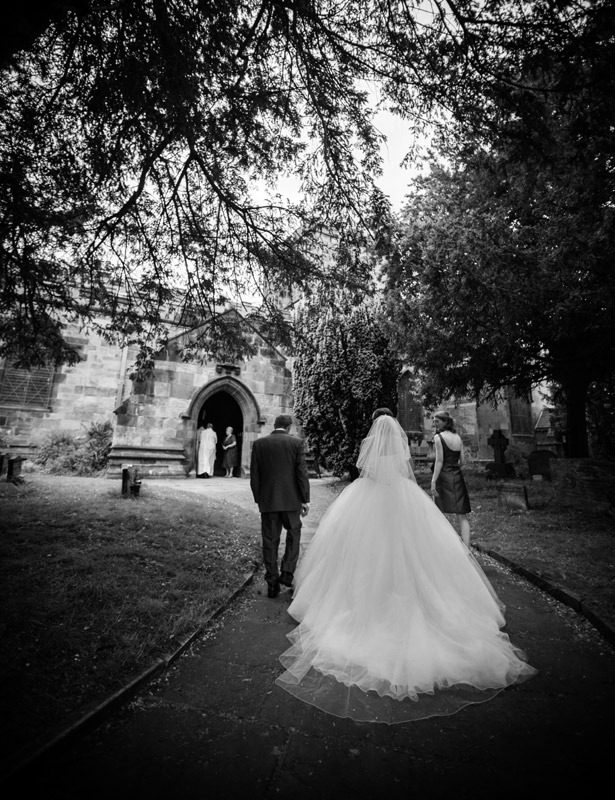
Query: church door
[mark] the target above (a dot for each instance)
(223, 411)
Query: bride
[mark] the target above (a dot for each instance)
(397, 621)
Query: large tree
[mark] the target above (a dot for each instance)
(133, 133)
(503, 271)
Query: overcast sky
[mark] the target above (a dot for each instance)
(395, 179)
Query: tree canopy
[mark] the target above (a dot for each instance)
(136, 138)
(502, 274)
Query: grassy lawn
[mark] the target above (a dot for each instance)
(94, 587)
(568, 543)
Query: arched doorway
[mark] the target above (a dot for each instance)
(226, 401)
(222, 410)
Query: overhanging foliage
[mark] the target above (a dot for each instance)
(502, 271)
(134, 134)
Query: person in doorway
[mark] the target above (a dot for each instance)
(229, 446)
(281, 487)
(206, 451)
(397, 621)
(448, 486)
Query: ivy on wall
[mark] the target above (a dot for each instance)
(344, 370)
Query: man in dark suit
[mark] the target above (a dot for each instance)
(280, 485)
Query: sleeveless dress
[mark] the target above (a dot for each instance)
(451, 487)
(397, 621)
(229, 459)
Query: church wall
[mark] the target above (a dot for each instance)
(160, 415)
(156, 417)
(515, 417)
(475, 425)
(80, 395)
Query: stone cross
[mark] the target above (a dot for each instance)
(499, 443)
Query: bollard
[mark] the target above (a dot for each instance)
(13, 473)
(131, 481)
(135, 483)
(125, 479)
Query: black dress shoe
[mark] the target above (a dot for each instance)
(273, 589)
(286, 579)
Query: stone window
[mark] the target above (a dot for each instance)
(23, 387)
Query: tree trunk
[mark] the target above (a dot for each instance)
(575, 393)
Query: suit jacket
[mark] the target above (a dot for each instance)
(278, 473)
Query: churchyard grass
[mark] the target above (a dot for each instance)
(566, 541)
(94, 587)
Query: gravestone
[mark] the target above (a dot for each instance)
(539, 464)
(513, 495)
(313, 465)
(421, 454)
(499, 468)
(13, 473)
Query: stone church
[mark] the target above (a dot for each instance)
(155, 421)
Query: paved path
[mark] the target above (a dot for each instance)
(215, 726)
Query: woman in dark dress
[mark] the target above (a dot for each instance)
(447, 484)
(229, 459)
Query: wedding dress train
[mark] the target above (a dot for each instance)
(397, 621)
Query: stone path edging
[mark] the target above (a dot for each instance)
(560, 593)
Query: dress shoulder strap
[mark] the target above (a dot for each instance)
(448, 447)
(443, 440)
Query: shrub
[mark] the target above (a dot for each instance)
(99, 439)
(66, 454)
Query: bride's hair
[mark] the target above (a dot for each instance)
(385, 454)
(380, 412)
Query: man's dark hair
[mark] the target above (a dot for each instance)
(283, 421)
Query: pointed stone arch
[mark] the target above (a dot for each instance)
(251, 413)
(248, 403)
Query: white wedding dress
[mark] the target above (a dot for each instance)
(397, 619)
